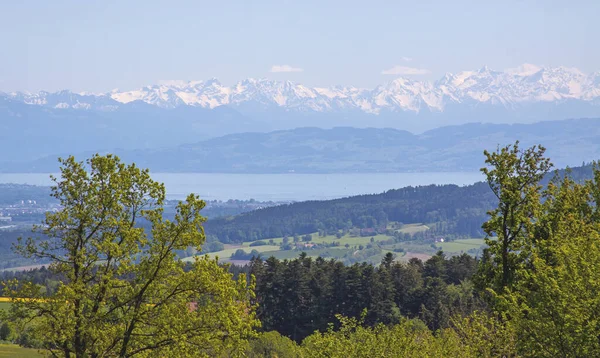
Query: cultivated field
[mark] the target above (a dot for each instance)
(14, 351)
(463, 245)
(403, 250)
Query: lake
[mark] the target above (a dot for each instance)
(280, 187)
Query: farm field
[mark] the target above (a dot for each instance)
(403, 250)
(226, 254)
(413, 228)
(461, 245)
(331, 252)
(14, 351)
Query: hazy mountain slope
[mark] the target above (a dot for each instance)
(343, 149)
(28, 131)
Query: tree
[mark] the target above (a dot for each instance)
(544, 262)
(272, 344)
(5, 331)
(513, 175)
(124, 292)
(554, 303)
(409, 338)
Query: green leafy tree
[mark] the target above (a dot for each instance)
(272, 345)
(124, 292)
(514, 176)
(485, 336)
(543, 264)
(555, 304)
(409, 338)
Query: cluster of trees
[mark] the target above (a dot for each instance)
(297, 297)
(119, 290)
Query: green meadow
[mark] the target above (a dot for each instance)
(350, 246)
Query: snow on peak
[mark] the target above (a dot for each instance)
(525, 83)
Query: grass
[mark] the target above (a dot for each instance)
(350, 240)
(331, 252)
(463, 245)
(341, 250)
(273, 250)
(226, 254)
(12, 350)
(4, 306)
(413, 228)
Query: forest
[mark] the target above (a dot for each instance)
(111, 290)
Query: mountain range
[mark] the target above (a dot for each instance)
(510, 88)
(525, 94)
(349, 150)
(36, 125)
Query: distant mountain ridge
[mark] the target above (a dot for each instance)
(350, 150)
(510, 88)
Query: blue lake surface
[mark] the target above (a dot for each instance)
(280, 187)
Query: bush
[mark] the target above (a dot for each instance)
(240, 254)
(407, 339)
(5, 331)
(272, 344)
(258, 243)
(212, 247)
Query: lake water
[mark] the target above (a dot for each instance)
(280, 187)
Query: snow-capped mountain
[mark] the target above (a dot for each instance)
(66, 99)
(526, 84)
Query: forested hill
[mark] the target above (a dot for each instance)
(12, 193)
(447, 209)
(454, 208)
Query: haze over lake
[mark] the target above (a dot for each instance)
(279, 187)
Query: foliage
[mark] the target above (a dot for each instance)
(123, 292)
(272, 345)
(545, 259)
(485, 336)
(213, 246)
(514, 178)
(406, 339)
(555, 304)
(5, 331)
(240, 254)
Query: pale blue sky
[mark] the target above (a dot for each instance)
(106, 44)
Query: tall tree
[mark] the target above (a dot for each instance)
(514, 176)
(125, 293)
(555, 303)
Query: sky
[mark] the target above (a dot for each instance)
(102, 45)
